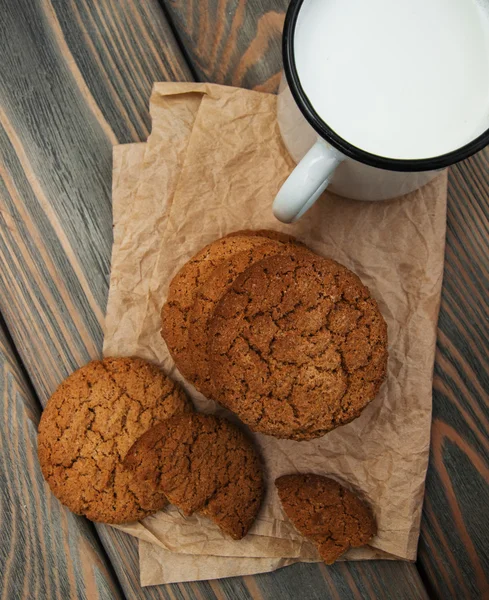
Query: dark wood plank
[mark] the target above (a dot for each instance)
(77, 78)
(46, 552)
(454, 544)
(234, 42)
(243, 49)
(61, 113)
(70, 91)
(382, 580)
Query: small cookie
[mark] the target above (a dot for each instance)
(207, 298)
(184, 286)
(297, 346)
(331, 516)
(202, 463)
(89, 424)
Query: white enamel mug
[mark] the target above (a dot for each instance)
(327, 160)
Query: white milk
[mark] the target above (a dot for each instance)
(398, 78)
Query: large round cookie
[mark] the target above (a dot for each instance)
(202, 463)
(89, 424)
(331, 516)
(193, 274)
(297, 346)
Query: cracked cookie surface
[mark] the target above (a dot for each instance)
(327, 513)
(202, 463)
(89, 424)
(297, 346)
(184, 286)
(206, 300)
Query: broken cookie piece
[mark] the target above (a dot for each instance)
(324, 511)
(201, 463)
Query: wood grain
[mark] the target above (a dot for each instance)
(70, 91)
(454, 545)
(60, 113)
(46, 552)
(234, 42)
(382, 580)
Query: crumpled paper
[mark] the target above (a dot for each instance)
(212, 165)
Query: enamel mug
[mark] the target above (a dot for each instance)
(325, 159)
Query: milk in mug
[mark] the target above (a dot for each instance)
(403, 79)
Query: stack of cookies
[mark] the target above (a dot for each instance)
(88, 426)
(291, 342)
(118, 440)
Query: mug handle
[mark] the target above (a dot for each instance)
(306, 182)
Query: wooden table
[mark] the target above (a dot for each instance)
(76, 76)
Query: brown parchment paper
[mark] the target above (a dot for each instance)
(157, 563)
(218, 163)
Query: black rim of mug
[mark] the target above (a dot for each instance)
(373, 160)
